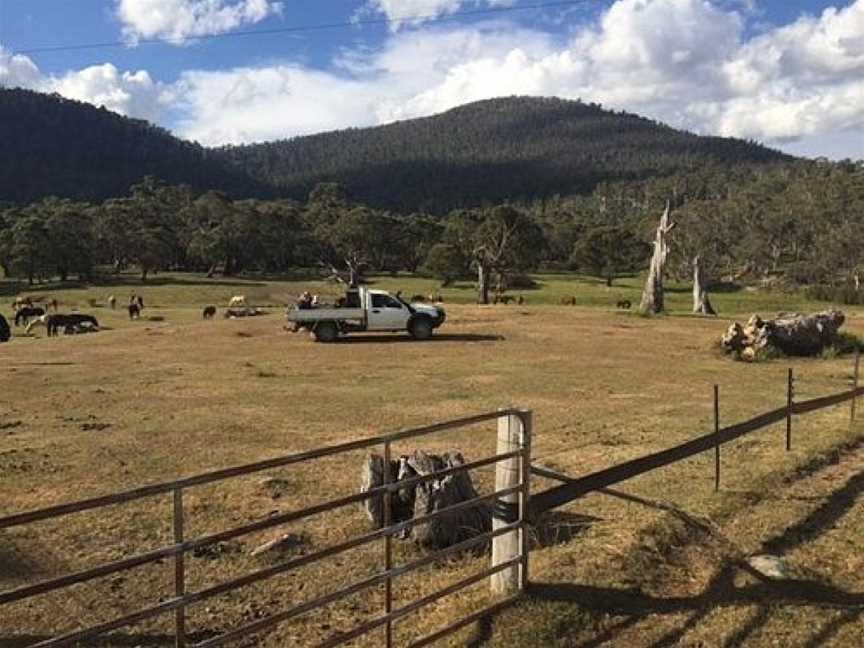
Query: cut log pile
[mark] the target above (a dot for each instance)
(419, 499)
(789, 333)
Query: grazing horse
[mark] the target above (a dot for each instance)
(112, 301)
(568, 301)
(69, 323)
(624, 303)
(5, 333)
(134, 311)
(42, 320)
(23, 315)
(209, 312)
(237, 301)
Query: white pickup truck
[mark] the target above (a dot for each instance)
(368, 310)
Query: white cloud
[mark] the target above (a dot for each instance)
(415, 12)
(181, 19)
(17, 71)
(134, 94)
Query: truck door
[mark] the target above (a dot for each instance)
(387, 313)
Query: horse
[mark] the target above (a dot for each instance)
(42, 320)
(23, 315)
(624, 303)
(5, 333)
(209, 312)
(112, 302)
(134, 311)
(69, 323)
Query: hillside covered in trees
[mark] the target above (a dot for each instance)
(53, 146)
(517, 149)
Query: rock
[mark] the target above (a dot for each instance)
(279, 544)
(773, 567)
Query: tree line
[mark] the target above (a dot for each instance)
(799, 225)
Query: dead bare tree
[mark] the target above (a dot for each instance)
(701, 303)
(489, 254)
(652, 296)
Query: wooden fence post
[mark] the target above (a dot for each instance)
(717, 437)
(506, 547)
(789, 389)
(527, 419)
(179, 571)
(855, 384)
(388, 547)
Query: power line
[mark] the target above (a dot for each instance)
(309, 28)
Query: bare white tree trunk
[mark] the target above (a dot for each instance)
(482, 283)
(701, 303)
(652, 296)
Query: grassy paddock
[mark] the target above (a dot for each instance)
(151, 401)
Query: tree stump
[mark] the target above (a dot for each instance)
(416, 500)
(701, 303)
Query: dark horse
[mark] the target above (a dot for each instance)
(5, 333)
(209, 312)
(23, 315)
(68, 322)
(134, 310)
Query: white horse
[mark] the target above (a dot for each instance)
(237, 301)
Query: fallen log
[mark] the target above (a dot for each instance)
(789, 333)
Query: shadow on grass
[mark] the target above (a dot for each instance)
(721, 591)
(407, 339)
(114, 639)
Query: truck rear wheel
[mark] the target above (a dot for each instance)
(326, 332)
(421, 328)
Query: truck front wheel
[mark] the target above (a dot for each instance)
(421, 328)
(326, 332)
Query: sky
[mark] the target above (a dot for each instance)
(787, 73)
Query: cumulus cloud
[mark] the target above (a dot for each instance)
(134, 94)
(181, 19)
(415, 12)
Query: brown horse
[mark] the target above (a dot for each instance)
(69, 323)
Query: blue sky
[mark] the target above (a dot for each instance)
(789, 73)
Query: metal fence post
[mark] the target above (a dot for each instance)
(179, 571)
(505, 547)
(716, 438)
(789, 392)
(855, 384)
(388, 546)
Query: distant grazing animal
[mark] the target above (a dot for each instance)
(23, 315)
(504, 299)
(624, 303)
(5, 333)
(568, 301)
(22, 302)
(140, 300)
(42, 320)
(520, 300)
(437, 298)
(418, 298)
(112, 302)
(237, 301)
(70, 323)
(209, 312)
(134, 311)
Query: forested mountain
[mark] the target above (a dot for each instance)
(516, 148)
(53, 146)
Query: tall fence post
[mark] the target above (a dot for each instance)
(507, 475)
(527, 419)
(716, 438)
(388, 547)
(789, 392)
(855, 384)
(179, 571)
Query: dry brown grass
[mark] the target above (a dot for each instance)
(149, 402)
